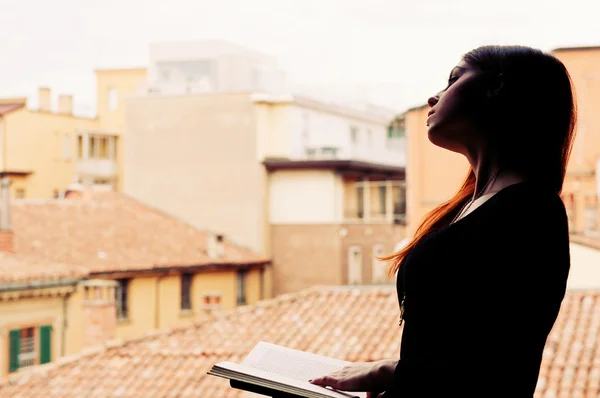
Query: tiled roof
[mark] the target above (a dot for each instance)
(355, 324)
(112, 232)
(24, 269)
(7, 108)
(589, 241)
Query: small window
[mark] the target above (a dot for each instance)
(360, 201)
(122, 295)
(67, 147)
(92, 144)
(262, 283)
(186, 287)
(79, 147)
(113, 99)
(114, 147)
(354, 265)
(241, 287)
(103, 147)
(29, 346)
(382, 200)
(20, 193)
(354, 134)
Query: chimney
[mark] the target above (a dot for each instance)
(216, 246)
(65, 104)
(99, 312)
(44, 100)
(6, 233)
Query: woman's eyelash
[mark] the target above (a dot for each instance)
(452, 79)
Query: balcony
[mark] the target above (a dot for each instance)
(392, 154)
(99, 168)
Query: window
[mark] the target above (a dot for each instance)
(212, 302)
(121, 298)
(241, 287)
(20, 193)
(100, 147)
(79, 147)
(399, 197)
(354, 134)
(92, 147)
(360, 201)
(379, 267)
(103, 147)
(27, 350)
(113, 99)
(354, 265)
(67, 147)
(186, 287)
(382, 200)
(395, 131)
(262, 283)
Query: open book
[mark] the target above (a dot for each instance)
(270, 369)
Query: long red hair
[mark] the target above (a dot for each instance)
(531, 126)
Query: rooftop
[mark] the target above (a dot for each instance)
(27, 270)
(351, 323)
(112, 232)
(6, 108)
(340, 165)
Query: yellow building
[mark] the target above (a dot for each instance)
(43, 150)
(38, 149)
(113, 87)
(143, 270)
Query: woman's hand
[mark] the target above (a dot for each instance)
(373, 377)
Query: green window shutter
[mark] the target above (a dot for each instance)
(45, 344)
(15, 348)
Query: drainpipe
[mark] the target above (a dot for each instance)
(5, 210)
(63, 336)
(157, 303)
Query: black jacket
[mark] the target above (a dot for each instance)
(481, 297)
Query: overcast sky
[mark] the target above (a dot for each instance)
(391, 52)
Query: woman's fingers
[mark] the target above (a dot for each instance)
(327, 381)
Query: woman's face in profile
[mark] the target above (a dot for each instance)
(451, 119)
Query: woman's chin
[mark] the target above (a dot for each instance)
(438, 138)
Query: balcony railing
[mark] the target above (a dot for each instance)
(393, 154)
(102, 168)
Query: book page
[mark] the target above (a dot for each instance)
(240, 371)
(294, 364)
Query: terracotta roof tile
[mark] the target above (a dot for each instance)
(355, 324)
(112, 232)
(26, 269)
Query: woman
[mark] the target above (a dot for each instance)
(481, 283)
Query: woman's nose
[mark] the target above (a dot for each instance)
(432, 101)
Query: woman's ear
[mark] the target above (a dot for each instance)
(495, 86)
